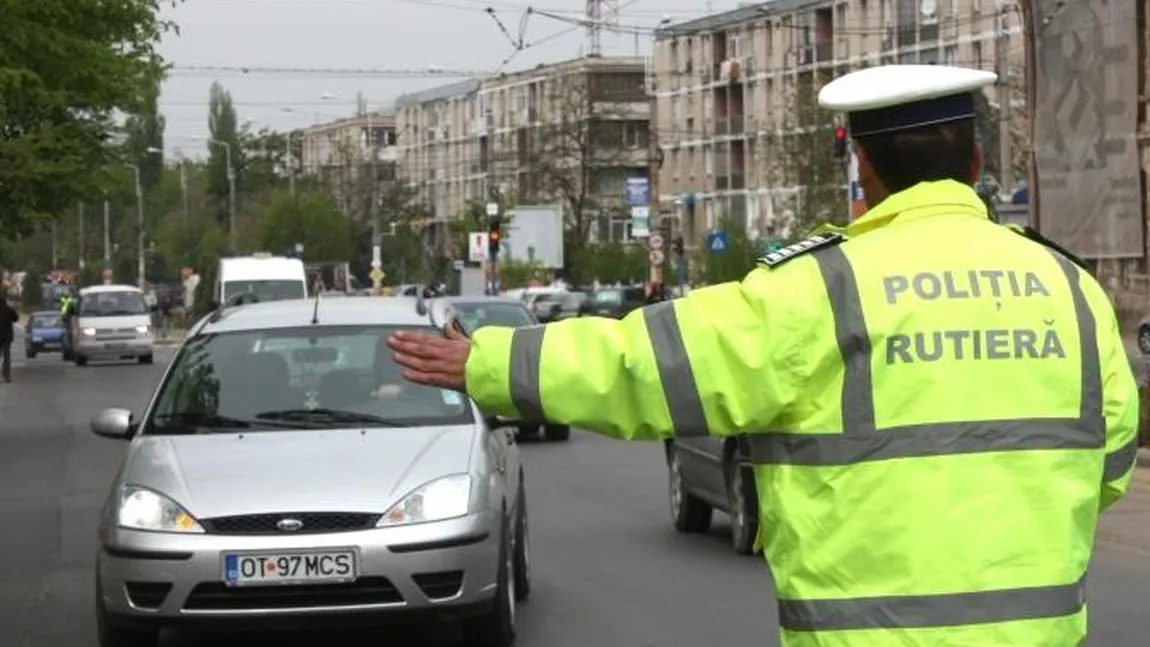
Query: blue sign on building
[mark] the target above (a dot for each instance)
(717, 242)
(638, 192)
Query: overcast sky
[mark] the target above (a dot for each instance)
(364, 34)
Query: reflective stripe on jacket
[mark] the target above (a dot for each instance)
(937, 408)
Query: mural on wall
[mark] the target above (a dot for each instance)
(1085, 126)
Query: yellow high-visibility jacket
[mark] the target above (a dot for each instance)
(937, 407)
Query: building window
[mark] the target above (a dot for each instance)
(950, 55)
(976, 54)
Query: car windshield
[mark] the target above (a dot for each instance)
(46, 320)
(296, 378)
(112, 304)
(474, 316)
(270, 290)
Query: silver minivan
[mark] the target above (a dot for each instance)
(110, 322)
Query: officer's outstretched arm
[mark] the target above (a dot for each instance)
(1120, 405)
(705, 364)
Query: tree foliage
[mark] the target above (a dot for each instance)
(224, 149)
(66, 67)
(311, 219)
(811, 162)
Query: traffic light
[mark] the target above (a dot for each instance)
(677, 246)
(840, 142)
(494, 234)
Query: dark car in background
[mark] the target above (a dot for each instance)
(44, 333)
(709, 473)
(474, 313)
(563, 305)
(617, 302)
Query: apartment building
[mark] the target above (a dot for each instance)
(726, 87)
(552, 133)
(345, 153)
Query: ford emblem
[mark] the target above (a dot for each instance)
(289, 525)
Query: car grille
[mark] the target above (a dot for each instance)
(313, 522)
(367, 590)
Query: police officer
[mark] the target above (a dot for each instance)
(938, 406)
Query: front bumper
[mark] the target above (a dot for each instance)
(97, 348)
(441, 569)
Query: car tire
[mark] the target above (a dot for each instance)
(146, 359)
(688, 512)
(557, 432)
(80, 360)
(110, 634)
(1144, 339)
(522, 549)
(743, 506)
(30, 353)
(496, 628)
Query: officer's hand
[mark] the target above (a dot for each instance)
(433, 360)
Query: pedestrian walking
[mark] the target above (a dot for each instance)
(937, 406)
(8, 320)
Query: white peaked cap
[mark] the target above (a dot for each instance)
(898, 97)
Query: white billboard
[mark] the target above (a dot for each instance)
(477, 246)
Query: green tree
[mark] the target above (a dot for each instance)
(224, 145)
(66, 68)
(311, 219)
(32, 289)
(732, 265)
(811, 165)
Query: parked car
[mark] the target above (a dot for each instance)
(566, 305)
(44, 333)
(709, 473)
(284, 472)
(474, 313)
(618, 302)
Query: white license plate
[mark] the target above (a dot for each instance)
(115, 346)
(332, 566)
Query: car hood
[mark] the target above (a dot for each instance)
(341, 470)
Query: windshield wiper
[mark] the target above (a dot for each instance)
(329, 415)
(213, 421)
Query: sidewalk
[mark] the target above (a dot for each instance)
(1144, 457)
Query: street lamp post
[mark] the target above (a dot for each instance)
(231, 173)
(141, 269)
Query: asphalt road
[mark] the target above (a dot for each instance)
(609, 571)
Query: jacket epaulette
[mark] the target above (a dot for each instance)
(774, 259)
(1033, 234)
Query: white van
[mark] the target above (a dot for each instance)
(110, 322)
(267, 277)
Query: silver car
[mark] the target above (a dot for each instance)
(284, 473)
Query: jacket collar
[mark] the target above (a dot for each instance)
(921, 200)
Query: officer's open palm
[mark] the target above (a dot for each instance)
(432, 360)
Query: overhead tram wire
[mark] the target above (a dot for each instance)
(327, 72)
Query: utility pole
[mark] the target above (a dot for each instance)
(80, 225)
(656, 218)
(55, 248)
(1005, 152)
(107, 235)
(290, 164)
(184, 186)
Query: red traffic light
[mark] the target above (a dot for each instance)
(840, 134)
(494, 234)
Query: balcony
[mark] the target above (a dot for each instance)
(729, 126)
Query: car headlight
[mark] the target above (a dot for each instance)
(88, 332)
(445, 498)
(143, 330)
(143, 509)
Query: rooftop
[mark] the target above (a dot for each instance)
(735, 16)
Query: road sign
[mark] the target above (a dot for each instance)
(493, 208)
(376, 256)
(377, 275)
(656, 257)
(457, 265)
(655, 241)
(638, 192)
(717, 242)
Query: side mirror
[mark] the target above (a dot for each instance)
(113, 423)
